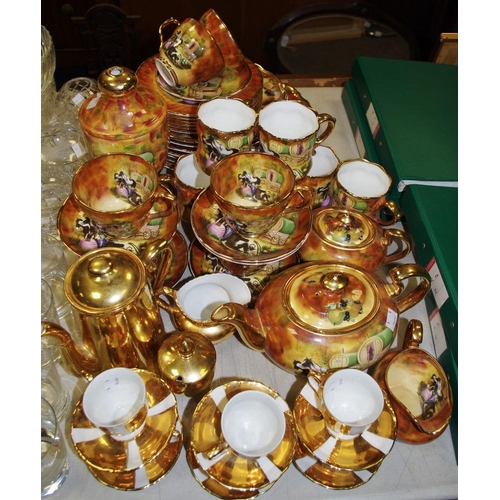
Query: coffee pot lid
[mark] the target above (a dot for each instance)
(331, 298)
(105, 280)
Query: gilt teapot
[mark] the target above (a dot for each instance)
(324, 316)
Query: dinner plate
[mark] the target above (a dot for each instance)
(151, 472)
(229, 468)
(100, 451)
(281, 241)
(362, 452)
(330, 476)
(80, 235)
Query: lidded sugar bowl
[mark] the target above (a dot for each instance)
(124, 117)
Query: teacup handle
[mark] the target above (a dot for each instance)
(330, 125)
(171, 203)
(306, 198)
(395, 234)
(172, 20)
(413, 334)
(391, 209)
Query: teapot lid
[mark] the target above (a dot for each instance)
(344, 228)
(105, 280)
(331, 298)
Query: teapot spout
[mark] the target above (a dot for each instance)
(81, 361)
(245, 320)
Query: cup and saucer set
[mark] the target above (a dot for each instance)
(118, 201)
(126, 428)
(242, 439)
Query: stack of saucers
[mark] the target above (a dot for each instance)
(211, 453)
(333, 459)
(136, 463)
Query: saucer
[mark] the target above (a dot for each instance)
(362, 452)
(148, 474)
(80, 235)
(233, 79)
(100, 451)
(229, 468)
(179, 260)
(215, 487)
(281, 241)
(202, 262)
(330, 476)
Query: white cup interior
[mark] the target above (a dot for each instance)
(353, 398)
(200, 296)
(363, 179)
(165, 72)
(114, 397)
(227, 115)
(189, 173)
(288, 120)
(323, 162)
(253, 423)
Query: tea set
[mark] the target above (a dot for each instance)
(286, 245)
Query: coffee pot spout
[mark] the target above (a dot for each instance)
(245, 320)
(81, 361)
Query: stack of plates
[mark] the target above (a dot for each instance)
(332, 462)
(229, 475)
(244, 82)
(135, 464)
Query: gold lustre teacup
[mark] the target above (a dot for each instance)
(190, 55)
(253, 190)
(118, 192)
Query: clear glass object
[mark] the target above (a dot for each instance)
(54, 458)
(52, 387)
(72, 95)
(48, 84)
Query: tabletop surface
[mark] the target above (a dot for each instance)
(427, 471)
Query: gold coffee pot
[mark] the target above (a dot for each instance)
(122, 325)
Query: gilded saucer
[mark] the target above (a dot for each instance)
(100, 451)
(179, 260)
(362, 452)
(150, 473)
(330, 476)
(216, 488)
(229, 468)
(80, 235)
(233, 79)
(281, 241)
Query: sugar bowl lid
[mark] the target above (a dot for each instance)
(344, 228)
(105, 280)
(331, 298)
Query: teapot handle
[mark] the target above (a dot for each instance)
(403, 272)
(395, 234)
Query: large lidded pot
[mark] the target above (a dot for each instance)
(351, 237)
(124, 117)
(122, 325)
(324, 315)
